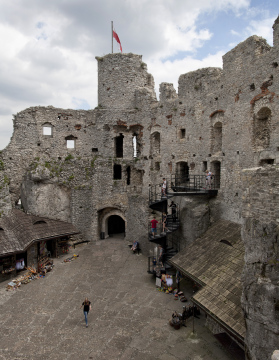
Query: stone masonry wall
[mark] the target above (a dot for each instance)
(81, 166)
(260, 298)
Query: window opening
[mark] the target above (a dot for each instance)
(128, 170)
(39, 222)
(204, 166)
(264, 162)
(70, 142)
(157, 165)
(47, 130)
(262, 122)
(182, 133)
(226, 242)
(94, 149)
(135, 145)
(217, 137)
(216, 170)
(155, 144)
(119, 146)
(117, 174)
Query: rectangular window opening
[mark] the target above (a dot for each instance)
(70, 144)
(47, 130)
(117, 172)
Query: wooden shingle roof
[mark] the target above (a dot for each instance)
(215, 261)
(19, 230)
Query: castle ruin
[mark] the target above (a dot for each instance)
(94, 168)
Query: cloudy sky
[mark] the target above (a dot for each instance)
(49, 46)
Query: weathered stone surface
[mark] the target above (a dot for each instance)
(81, 166)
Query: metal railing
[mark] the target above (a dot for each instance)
(172, 224)
(193, 183)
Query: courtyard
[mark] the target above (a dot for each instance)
(128, 320)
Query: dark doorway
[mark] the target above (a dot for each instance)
(119, 146)
(116, 225)
(117, 172)
(182, 173)
(128, 175)
(216, 169)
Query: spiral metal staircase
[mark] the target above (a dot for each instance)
(188, 185)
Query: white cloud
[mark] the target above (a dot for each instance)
(170, 71)
(50, 46)
(261, 27)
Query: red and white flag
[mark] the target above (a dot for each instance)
(117, 39)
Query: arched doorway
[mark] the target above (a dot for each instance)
(111, 221)
(116, 225)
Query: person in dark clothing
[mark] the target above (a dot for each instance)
(86, 307)
(173, 211)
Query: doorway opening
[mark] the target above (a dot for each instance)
(116, 225)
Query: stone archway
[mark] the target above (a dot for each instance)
(116, 225)
(112, 221)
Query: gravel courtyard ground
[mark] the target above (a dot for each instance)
(129, 317)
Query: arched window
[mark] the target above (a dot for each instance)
(217, 137)
(262, 122)
(155, 144)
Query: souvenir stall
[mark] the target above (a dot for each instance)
(45, 264)
(7, 267)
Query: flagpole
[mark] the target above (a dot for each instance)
(112, 37)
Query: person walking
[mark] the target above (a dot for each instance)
(86, 307)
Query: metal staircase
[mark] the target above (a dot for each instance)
(180, 186)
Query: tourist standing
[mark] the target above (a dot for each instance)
(164, 187)
(86, 307)
(154, 223)
(173, 211)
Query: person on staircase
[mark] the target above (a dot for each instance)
(164, 188)
(164, 222)
(173, 211)
(154, 223)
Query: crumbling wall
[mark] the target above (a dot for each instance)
(119, 76)
(260, 299)
(5, 198)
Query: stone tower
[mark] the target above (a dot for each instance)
(119, 76)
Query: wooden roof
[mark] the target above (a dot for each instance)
(19, 230)
(215, 261)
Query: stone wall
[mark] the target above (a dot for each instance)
(81, 166)
(260, 298)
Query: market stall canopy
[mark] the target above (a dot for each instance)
(215, 261)
(19, 230)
